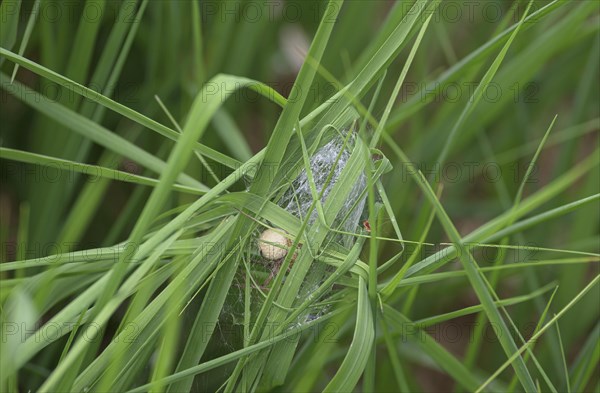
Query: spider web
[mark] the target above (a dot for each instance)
(326, 169)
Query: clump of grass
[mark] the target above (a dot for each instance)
(131, 245)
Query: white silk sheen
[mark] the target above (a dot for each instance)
(299, 197)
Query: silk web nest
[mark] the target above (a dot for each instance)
(262, 262)
(326, 166)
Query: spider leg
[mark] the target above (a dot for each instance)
(274, 271)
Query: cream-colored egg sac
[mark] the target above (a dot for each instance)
(273, 244)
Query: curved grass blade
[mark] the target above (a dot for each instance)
(355, 361)
(94, 171)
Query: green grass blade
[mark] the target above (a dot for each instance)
(346, 378)
(35, 10)
(541, 331)
(94, 171)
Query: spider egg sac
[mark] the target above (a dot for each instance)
(273, 245)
